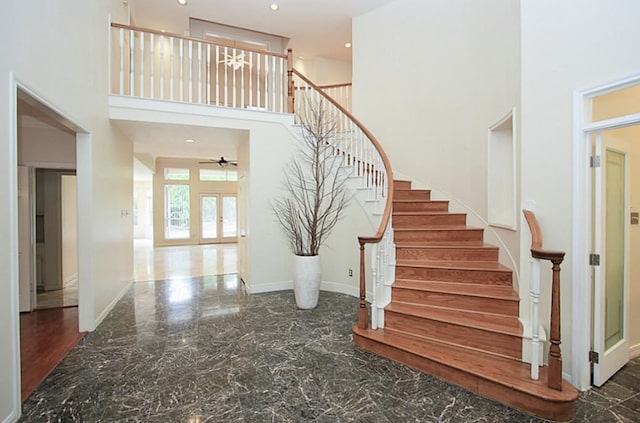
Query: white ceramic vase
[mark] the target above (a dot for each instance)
(306, 280)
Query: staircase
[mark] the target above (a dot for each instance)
(453, 310)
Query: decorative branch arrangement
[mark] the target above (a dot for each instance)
(315, 188)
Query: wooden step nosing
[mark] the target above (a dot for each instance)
(517, 333)
(443, 290)
(474, 350)
(471, 370)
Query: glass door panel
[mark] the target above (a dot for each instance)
(229, 216)
(209, 217)
(614, 248)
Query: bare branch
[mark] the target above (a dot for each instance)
(315, 191)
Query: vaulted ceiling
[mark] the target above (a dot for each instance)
(316, 28)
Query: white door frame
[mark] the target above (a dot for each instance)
(84, 147)
(582, 226)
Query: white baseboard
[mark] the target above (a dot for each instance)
(634, 352)
(13, 417)
(270, 287)
(340, 288)
(71, 279)
(288, 285)
(112, 304)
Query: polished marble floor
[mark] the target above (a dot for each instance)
(202, 350)
(160, 263)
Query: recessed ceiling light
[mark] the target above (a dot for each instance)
(182, 2)
(189, 140)
(274, 7)
(347, 45)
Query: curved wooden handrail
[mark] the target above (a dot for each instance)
(556, 258)
(386, 214)
(182, 37)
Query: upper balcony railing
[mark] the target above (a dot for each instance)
(156, 65)
(161, 66)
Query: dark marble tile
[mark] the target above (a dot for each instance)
(203, 350)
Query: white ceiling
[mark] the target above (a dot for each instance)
(317, 28)
(168, 140)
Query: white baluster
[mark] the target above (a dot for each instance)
(374, 284)
(190, 71)
(141, 64)
(217, 76)
(233, 79)
(181, 44)
(266, 82)
(199, 73)
(283, 86)
(208, 70)
(250, 79)
(152, 60)
(131, 62)
(535, 318)
(226, 77)
(258, 80)
(162, 64)
(121, 31)
(242, 82)
(171, 65)
(274, 96)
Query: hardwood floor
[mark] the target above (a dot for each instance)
(46, 336)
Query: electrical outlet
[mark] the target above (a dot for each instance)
(350, 273)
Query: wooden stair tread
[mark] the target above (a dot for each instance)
(425, 213)
(468, 289)
(504, 371)
(454, 264)
(508, 325)
(437, 228)
(417, 200)
(414, 244)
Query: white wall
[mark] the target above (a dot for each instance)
(70, 71)
(323, 71)
(430, 78)
(69, 203)
(566, 46)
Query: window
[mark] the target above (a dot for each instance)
(176, 174)
(176, 212)
(218, 175)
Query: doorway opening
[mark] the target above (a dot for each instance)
(52, 235)
(606, 150)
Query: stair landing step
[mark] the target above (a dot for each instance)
(468, 289)
(502, 379)
(507, 325)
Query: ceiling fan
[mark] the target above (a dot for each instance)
(222, 162)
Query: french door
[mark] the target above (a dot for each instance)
(218, 218)
(611, 276)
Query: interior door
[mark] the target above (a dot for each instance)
(25, 240)
(610, 334)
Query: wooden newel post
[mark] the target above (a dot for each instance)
(555, 356)
(290, 85)
(363, 317)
